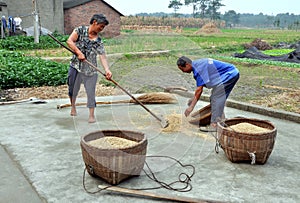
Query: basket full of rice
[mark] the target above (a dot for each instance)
(246, 139)
(114, 155)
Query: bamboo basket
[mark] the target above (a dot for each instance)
(201, 117)
(239, 147)
(114, 165)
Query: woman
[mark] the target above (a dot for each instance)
(86, 44)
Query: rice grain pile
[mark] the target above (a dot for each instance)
(245, 127)
(110, 142)
(175, 121)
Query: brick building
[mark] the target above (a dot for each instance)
(85, 9)
(62, 15)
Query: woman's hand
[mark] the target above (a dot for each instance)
(108, 75)
(81, 56)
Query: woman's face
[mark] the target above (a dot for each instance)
(98, 27)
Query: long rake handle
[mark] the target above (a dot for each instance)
(113, 81)
(124, 90)
(152, 195)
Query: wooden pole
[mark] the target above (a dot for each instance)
(153, 195)
(35, 22)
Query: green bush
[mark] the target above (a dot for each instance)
(27, 42)
(18, 70)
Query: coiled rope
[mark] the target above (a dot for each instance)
(184, 179)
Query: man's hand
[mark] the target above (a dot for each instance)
(189, 102)
(193, 101)
(188, 111)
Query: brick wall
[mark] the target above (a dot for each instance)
(82, 14)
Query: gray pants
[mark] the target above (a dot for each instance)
(89, 83)
(218, 99)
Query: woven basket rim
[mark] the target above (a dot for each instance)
(117, 149)
(207, 107)
(194, 120)
(245, 120)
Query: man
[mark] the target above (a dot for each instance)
(210, 73)
(85, 42)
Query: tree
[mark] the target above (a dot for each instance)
(231, 18)
(213, 7)
(175, 4)
(276, 23)
(296, 25)
(205, 8)
(203, 5)
(194, 4)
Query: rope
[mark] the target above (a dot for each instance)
(218, 145)
(83, 183)
(183, 178)
(252, 156)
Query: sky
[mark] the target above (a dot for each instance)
(267, 7)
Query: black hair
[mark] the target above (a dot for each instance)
(183, 60)
(100, 18)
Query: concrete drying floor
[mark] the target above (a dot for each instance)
(41, 157)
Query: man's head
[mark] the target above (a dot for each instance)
(185, 64)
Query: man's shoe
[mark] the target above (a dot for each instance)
(208, 128)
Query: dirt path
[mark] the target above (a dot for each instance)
(48, 92)
(149, 75)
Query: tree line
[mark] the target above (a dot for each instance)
(210, 9)
(280, 21)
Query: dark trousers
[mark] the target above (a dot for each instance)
(218, 98)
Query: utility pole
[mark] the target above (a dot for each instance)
(35, 22)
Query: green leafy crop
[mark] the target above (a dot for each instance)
(18, 70)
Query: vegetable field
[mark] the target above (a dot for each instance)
(266, 83)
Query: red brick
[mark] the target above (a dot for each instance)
(81, 15)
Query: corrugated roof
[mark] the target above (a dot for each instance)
(73, 3)
(3, 4)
